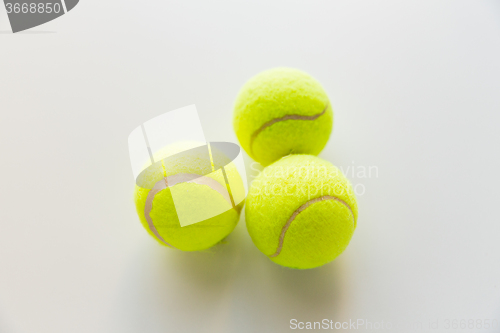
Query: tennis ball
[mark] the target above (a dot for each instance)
(282, 111)
(301, 212)
(198, 191)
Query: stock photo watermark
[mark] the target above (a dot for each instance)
(26, 14)
(381, 325)
(357, 174)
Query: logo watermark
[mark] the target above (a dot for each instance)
(26, 14)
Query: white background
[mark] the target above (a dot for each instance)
(416, 91)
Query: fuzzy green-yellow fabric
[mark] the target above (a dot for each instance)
(269, 97)
(318, 233)
(194, 237)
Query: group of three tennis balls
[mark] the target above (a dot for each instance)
(301, 211)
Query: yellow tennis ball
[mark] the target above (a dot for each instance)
(301, 212)
(282, 111)
(186, 186)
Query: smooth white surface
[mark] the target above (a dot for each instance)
(415, 89)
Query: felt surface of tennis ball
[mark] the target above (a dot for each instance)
(159, 214)
(282, 111)
(301, 212)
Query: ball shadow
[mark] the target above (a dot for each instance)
(278, 294)
(224, 289)
(169, 290)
